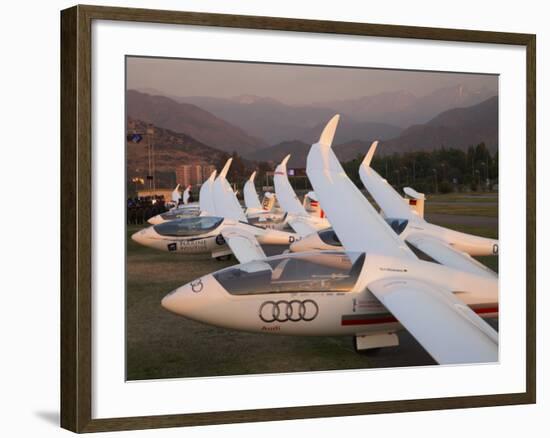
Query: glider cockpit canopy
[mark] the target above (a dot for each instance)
(178, 213)
(396, 224)
(188, 226)
(334, 271)
(329, 237)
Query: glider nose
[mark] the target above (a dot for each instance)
(143, 237)
(138, 237)
(175, 301)
(186, 300)
(493, 247)
(155, 220)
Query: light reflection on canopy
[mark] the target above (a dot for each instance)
(188, 226)
(299, 272)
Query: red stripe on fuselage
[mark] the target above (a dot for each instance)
(390, 319)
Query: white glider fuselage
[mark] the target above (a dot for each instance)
(270, 221)
(463, 242)
(202, 234)
(317, 294)
(392, 205)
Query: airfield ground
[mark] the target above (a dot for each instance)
(162, 345)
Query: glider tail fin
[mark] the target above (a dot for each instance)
(268, 202)
(415, 200)
(186, 195)
(312, 205)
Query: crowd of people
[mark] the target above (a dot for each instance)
(140, 209)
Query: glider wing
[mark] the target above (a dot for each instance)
(391, 203)
(357, 224)
(446, 327)
(243, 244)
(206, 196)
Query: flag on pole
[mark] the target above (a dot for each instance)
(134, 138)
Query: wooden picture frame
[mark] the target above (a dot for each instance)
(76, 218)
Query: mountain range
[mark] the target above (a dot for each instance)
(298, 150)
(382, 115)
(455, 128)
(210, 135)
(191, 120)
(277, 122)
(403, 108)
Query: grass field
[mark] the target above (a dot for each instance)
(482, 197)
(478, 209)
(162, 345)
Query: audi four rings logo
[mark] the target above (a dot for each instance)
(295, 310)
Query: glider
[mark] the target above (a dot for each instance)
(418, 229)
(251, 200)
(176, 195)
(297, 216)
(262, 215)
(373, 289)
(179, 210)
(221, 229)
(432, 242)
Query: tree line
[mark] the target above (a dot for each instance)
(442, 170)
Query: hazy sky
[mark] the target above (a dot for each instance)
(287, 83)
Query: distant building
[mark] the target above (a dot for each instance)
(183, 175)
(197, 174)
(193, 174)
(166, 193)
